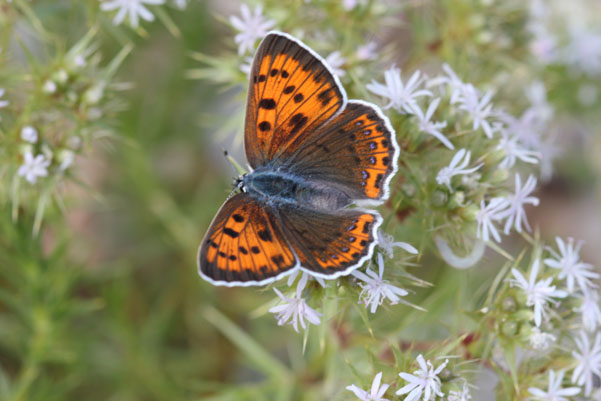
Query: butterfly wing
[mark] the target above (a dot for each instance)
(292, 91)
(330, 244)
(244, 245)
(355, 151)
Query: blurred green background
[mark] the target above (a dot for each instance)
(110, 306)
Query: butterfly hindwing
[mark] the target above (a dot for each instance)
(291, 92)
(356, 150)
(330, 244)
(244, 245)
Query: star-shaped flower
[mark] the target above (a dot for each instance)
(401, 95)
(251, 26)
(133, 9)
(376, 289)
(495, 210)
(589, 362)
(538, 293)
(516, 213)
(424, 381)
(554, 392)
(295, 310)
(376, 393)
(429, 127)
(572, 269)
(457, 167)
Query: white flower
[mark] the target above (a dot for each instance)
(462, 395)
(548, 151)
(29, 134)
(33, 168)
(479, 109)
(516, 212)
(572, 269)
(538, 293)
(457, 167)
(251, 27)
(401, 95)
(513, 149)
(3, 103)
(304, 276)
(424, 380)
(376, 290)
(133, 9)
(494, 211)
(589, 362)
(295, 309)
(590, 310)
(335, 61)
(367, 51)
(386, 243)
(376, 393)
(429, 127)
(451, 79)
(49, 87)
(541, 341)
(554, 392)
(348, 5)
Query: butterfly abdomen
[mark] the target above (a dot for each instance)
(278, 187)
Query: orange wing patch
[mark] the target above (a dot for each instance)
(356, 150)
(331, 244)
(291, 92)
(244, 244)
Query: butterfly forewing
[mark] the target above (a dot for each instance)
(328, 244)
(356, 151)
(244, 245)
(291, 93)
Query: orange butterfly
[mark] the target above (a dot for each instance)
(314, 154)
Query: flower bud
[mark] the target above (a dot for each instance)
(439, 198)
(510, 328)
(408, 189)
(508, 304)
(49, 87)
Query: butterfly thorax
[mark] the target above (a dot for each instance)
(277, 187)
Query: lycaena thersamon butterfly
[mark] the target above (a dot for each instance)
(315, 156)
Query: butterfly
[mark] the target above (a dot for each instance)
(315, 158)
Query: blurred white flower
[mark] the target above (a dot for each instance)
(538, 293)
(133, 9)
(401, 95)
(335, 61)
(348, 5)
(513, 150)
(386, 243)
(367, 51)
(295, 310)
(66, 158)
(583, 53)
(247, 65)
(424, 381)
(29, 134)
(429, 127)
(181, 4)
(34, 167)
(479, 109)
(554, 392)
(49, 87)
(251, 26)
(548, 152)
(589, 362)
(573, 270)
(457, 167)
(375, 394)
(540, 340)
(516, 213)
(462, 395)
(590, 310)
(487, 215)
(3, 103)
(376, 289)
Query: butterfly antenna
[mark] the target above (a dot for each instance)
(238, 169)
